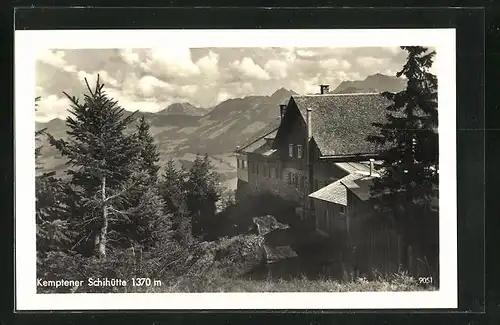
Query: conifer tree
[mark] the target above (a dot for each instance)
(202, 194)
(146, 210)
(101, 159)
(173, 189)
(52, 228)
(148, 151)
(409, 139)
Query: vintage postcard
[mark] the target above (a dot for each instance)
(235, 169)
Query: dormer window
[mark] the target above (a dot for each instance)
(290, 150)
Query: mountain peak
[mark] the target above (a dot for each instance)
(377, 82)
(379, 76)
(183, 108)
(283, 92)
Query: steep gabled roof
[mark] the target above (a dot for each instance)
(336, 192)
(360, 186)
(341, 122)
(354, 167)
(268, 132)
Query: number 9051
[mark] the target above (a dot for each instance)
(425, 280)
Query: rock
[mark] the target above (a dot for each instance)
(267, 224)
(274, 254)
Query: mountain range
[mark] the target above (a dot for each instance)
(376, 83)
(182, 130)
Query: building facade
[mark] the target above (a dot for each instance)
(315, 135)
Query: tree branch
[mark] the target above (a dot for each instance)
(121, 193)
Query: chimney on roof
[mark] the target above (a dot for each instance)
(324, 89)
(371, 166)
(282, 110)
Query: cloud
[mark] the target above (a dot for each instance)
(133, 103)
(335, 64)
(149, 84)
(222, 96)
(208, 65)
(104, 78)
(188, 90)
(129, 56)
(276, 68)
(171, 61)
(306, 53)
(249, 69)
(151, 79)
(51, 107)
(368, 61)
(56, 59)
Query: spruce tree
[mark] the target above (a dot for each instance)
(203, 192)
(148, 153)
(53, 232)
(173, 189)
(146, 211)
(409, 142)
(101, 159)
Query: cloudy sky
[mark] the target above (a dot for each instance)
(151, 79)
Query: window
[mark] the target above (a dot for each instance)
(296, 180)
(257, 169)
(316, 186)
(342, 209)
(290, 150)
(289, 178)
(299, 151)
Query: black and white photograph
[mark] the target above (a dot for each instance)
(288, 165)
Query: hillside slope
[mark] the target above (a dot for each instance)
(181, 136)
